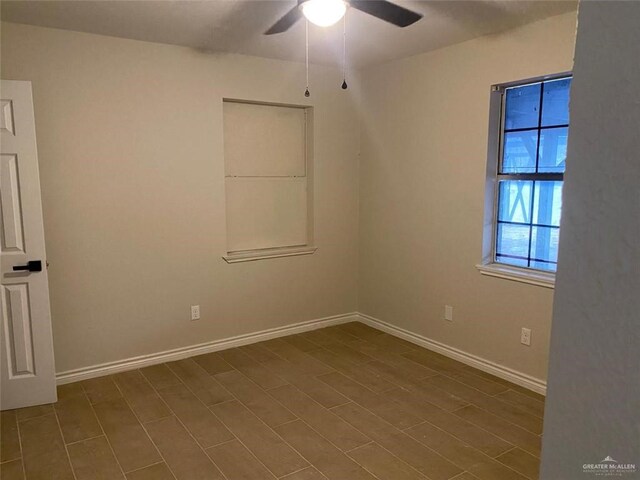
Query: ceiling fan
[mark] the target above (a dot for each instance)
(327, 12)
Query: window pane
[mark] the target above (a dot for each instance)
(520, 152)
(555, 102)
(514, 202)
(522, 107)
(544, 247)
(553, 150)
(547, 203)
(513, 244)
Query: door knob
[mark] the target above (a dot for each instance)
(31, 266)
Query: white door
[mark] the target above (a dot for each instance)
(26, 346)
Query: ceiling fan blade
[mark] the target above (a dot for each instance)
(286, 22)
(387, 11)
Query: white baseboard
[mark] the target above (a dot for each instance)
(110, 368)
(513, 376)
(524, 380)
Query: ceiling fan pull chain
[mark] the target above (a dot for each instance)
(344, 52)
(306, 44)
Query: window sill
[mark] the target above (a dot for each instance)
(532, 277)
(252, 255)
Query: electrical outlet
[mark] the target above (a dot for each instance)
(448, 313)
(525, 336)
(195, 312)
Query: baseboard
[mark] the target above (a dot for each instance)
(535, 384)
(524, 380)
(110, 368)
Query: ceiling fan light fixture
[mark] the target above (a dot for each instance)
(323, 13)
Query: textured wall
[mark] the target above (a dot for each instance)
(131, 163)
(593, 402)
(422, 187)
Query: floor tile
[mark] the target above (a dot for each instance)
(372, 380)
(32, 412)
(434, 395)
(501, 428)
(203, 385)
(93, 460)
(469, 433)
(321, 453)
(77, 420)
(496, 406)
(43, 449)
(479, 383)
(257, 400)
(237, 462)
(252, 369)
(180, 451)
(319, 338)
(196, 417)
(305, 362)
(13, 470)
(160, 376)
(464, 476)
(141, 397)
(306, 474)
(128, 439)
(528, 404)
(461, 454)
(526, 391)
(393, 344)
(394, 359)
(349, 354)
(382, 406)
(423, 459)
(397, 374)
(9, 440)
(355, 401)
(309, 384)
(522, 462)
(70, 390)
(329, 425)
(263, 442)
(360, 330)
(100, 389)
(212, 363)
(159, 471)
(511, 386)
(300, 343)
(338, 334)
(435, 361)
(383, 464)
(258, 352)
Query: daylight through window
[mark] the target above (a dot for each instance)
(534, 132)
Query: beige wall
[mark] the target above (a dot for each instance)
(422, 174)
(131, 157)
(131, 163)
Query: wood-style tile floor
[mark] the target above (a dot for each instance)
(341, 403)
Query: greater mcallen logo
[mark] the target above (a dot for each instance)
(608, 467)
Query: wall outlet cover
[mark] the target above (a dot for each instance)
(448, 313)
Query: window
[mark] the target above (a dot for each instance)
(529, 156)
(267, 180)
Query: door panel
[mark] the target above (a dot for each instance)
(26, 347)
(11, 210)
(18, 330)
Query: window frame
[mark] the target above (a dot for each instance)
(497, 116)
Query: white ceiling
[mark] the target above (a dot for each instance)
(237, 25)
